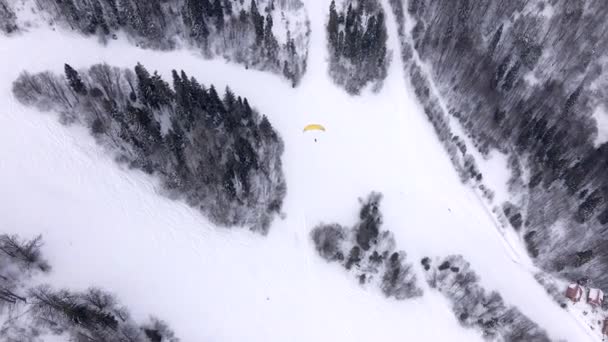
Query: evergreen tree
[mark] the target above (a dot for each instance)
(175, 141)
(162, 91)
(143, 83)
(229, 100)
(177, 86)
(266, 129)
(258, 22)
(270, 42)
(233, 110)
(218, 13)
(286, 72)
(332, 26)
(74, 80)
(248, 112)
(369, 41)
(198, 94)
(216, 108)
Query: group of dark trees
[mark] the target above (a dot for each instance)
(238, 30)
(217, 153)
(525, 78)
(368, 252)
(92, 315)
(474, 306)
(7, 18)
(20, 262)
(356, 35)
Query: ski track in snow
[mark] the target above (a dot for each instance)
(107, 226)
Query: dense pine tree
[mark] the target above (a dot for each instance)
(357, 43)
(74, 80)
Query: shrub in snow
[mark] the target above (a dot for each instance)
(263, 34)
(474, 306)
(356, 35)
(368, 252)
(217, 153)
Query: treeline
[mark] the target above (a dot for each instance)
(463, 162)
(474, 306)
(368, 252)
(28, 311)
(455, 146)
(356, 35)
(238, 30)
(525, 78)
(217, 153)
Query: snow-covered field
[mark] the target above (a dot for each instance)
(105, 225)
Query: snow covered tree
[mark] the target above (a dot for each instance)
(474, 306)
(74, 80)
(219, 154)
(357, 42)
(7, 18)
(368, 252)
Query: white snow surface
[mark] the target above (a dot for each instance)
(107, 226)
(601, 118)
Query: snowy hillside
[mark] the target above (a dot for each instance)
(107, 225)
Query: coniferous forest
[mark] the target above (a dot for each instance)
(216, 152)
(356, 35)
(524, 78)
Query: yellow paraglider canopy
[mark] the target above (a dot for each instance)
(314, 127)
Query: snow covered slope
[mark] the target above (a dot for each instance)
(107, 226)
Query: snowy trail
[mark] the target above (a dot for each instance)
(232, 285)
